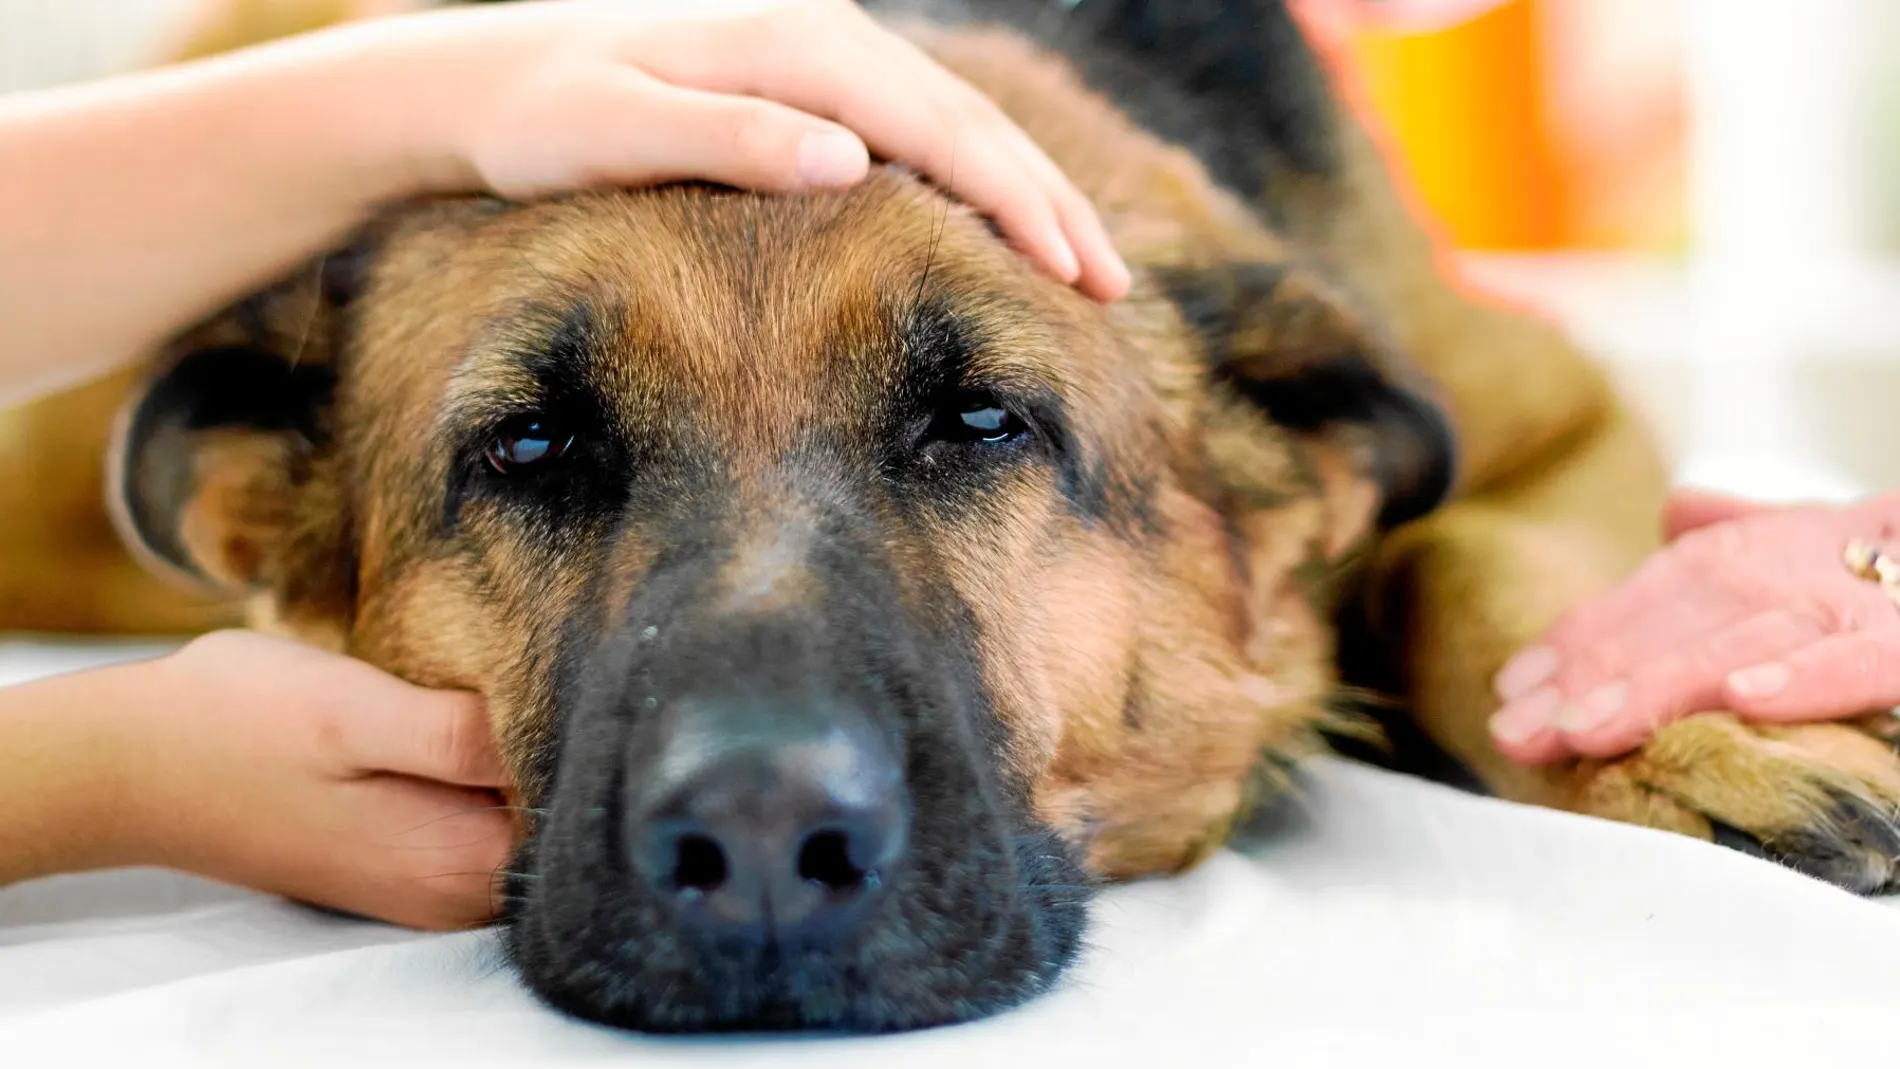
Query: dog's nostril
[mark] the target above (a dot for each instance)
(700, 864)
(825, 858)
(768, 832)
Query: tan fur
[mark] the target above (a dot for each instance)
(1142, 693)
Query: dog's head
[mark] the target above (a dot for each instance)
(848, 596)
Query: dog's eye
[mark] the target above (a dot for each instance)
(526, 443)
(977, 418)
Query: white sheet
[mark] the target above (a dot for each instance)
(1395, 922)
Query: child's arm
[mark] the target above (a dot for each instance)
(131, 207)
(260, 763)
(62, 798)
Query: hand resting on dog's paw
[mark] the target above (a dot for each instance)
(1751, 608)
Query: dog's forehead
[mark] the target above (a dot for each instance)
(736, 303)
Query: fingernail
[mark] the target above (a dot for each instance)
(1523, 720)
(1597, 708)
(1068, 268)
(1761, 681)
(1525, 672)
(831, 158)
(1120, 279)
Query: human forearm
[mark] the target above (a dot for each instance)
(64, 802)
(263, 764)
(244, 167)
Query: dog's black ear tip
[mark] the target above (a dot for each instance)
(1418, 463)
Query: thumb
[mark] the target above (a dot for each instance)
(1688, 510)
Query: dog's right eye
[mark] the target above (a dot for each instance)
(976, 419)
(527, 443)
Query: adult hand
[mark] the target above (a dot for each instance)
(1749, 609)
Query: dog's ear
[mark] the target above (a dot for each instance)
(1289, 343)
(222, 467)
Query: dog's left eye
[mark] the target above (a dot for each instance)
(526, 443)
(977, 418)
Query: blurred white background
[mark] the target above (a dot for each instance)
(48, 41)
(1766, 348)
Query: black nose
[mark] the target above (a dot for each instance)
(770, 836)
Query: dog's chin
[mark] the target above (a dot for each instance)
(936, 953)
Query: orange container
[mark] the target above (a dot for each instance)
(1522, 125)
(1466, 106)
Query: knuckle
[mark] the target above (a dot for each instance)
(975, 115)
(1866, 663)
(450, 749)
(1594, 664)
(753, 41)
(1664, 682)
(330, 739)
(1070, 202)
(466, 740)
(1710, 547)
(1810, 617)
(1574, 627)
(1855, 610)
(749, 130)
(951, 118)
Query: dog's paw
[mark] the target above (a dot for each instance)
(1820, 798)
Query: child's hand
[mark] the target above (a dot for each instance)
(279, 767)
(1750, 609)
(534, 98)
(177, 191)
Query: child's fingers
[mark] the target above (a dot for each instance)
(832, 62)
(1844, 675)
(1102, 272)
(612, 125)
(964, 145)
(1621, 715)
(737, 141)
(429, 857)
(1104, 275)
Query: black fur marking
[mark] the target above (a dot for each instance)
(940, 347)
(1233, 81)
(1414, 464)
(1416, 447)
(1215, 301)
(1852, 847)
(587, 483)
(229, 387)
(1367, 664)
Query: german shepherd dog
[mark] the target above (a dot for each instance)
(851, 598)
